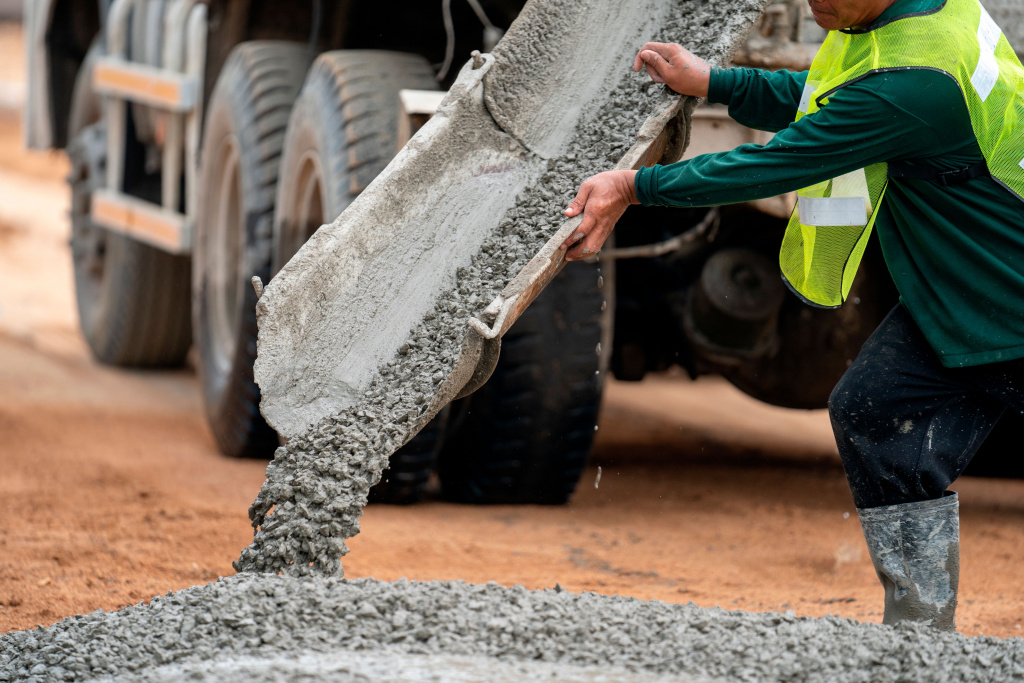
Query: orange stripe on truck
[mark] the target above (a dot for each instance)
(154, 225)
(133, 83)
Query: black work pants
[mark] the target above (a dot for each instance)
(906, 426)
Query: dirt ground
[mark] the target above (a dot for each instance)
(112, 490)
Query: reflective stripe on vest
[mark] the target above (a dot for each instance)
(830, 226)
(841, 211)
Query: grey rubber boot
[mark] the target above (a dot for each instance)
(915, 548)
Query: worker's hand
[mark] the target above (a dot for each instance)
(676, 67)
(602, 200)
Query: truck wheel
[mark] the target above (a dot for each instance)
(242, 144)
(524, 437)
(343, 132)
(133, 299)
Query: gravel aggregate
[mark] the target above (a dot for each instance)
(302, 628)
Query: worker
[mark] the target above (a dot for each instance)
(910, 122)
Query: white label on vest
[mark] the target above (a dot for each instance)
(987, 72)
(1021, 164)
(805, 101)
(824, 211)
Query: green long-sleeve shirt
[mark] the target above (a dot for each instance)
(956, 253)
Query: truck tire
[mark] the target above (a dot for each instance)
(524, 437)
(342, 133)
(242, 144)
(132, 299)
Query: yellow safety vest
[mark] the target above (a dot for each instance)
(831, 224)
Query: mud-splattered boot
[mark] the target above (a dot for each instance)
(915, 548)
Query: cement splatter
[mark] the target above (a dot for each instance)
(248, 628)
(317, 485)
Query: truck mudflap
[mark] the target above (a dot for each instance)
(345, 305)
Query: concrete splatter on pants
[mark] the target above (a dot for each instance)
(906, 426)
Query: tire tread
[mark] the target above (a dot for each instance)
(525, 436)
(259, 83)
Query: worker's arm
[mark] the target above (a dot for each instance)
(765, 100)
(759, 99)
(607, 195)
(868, 122)
(877, 119)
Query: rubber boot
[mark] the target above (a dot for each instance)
(915, 548)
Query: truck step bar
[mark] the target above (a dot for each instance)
(142, 220)
(176, 88)
(145, 84)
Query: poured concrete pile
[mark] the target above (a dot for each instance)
(361, 332)
(249, 628)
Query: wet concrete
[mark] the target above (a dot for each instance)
(317, 485)
(303, 628)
